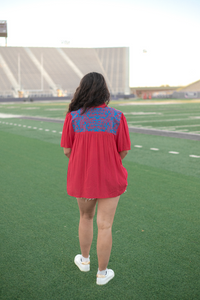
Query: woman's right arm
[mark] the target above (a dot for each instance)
(68, 134)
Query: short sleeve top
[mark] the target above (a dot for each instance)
(96, 137)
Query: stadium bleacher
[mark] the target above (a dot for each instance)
(57, 71)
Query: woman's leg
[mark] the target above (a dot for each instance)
(105, 216)
(87, 212)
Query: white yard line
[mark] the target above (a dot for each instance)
(179, 126)
(8, 116)
(30, 107)
(142, 113)
(173, 152)
(170, 152)
(163, 120)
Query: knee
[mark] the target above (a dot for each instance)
(103, 224)
(87, 216)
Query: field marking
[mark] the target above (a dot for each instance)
(47, 130)
(177, 115)
(173, 152)
(178, 126)
(136, 146)
(163, 120)
(54, 109)
(171, 128)
(30, 107)
(161, 102)
(147, 103)
(195, 117)
(9, 116)
(142, 113)
(167, 133)
(181, 130)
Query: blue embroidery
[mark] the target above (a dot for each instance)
(102, 119)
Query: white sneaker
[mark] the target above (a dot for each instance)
(103, 279)
(83, 266)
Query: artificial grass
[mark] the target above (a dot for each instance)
(155, 232)
(180, 163)
(58, 110)
(178, 116)
(34, 132)
(51, 110)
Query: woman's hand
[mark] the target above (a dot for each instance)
(67, 152)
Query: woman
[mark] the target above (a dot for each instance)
(95, 138)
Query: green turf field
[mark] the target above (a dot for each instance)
(179, 115)
(156, 231)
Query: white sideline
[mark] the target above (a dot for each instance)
(8, 116)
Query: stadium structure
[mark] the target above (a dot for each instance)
(190, 91)
(56, 72)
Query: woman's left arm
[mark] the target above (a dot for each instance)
(122, 138)
(67, 152)
(123, 153)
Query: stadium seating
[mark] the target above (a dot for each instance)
(62, 69)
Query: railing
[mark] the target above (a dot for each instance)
(6, 94)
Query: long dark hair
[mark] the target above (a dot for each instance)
(92, 91)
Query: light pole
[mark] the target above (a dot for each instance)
(42, 83)
(19, 75)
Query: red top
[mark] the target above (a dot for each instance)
(96, 137)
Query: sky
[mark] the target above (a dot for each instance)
(168, 31)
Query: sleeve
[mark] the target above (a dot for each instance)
(123, 139)
(68, 133)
